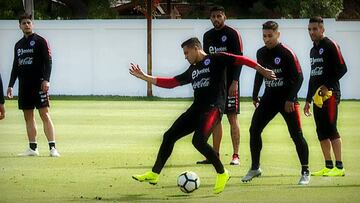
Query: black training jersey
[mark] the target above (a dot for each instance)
(327, 67)
(32, 62)
(286, 67)
(227, 40)
(208, 80)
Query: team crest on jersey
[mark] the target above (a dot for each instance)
(223, 38)
(207, 62)
(32, 43)
(277, 60)
(321, 51)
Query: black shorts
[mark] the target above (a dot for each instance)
(31, 98)
(232, 104)
(326, 119)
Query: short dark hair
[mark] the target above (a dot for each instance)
(217, 8)
(24, 16)
(316, 19)
(270, 25)
(192, 42)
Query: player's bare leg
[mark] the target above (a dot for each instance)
(31, 130)
(338, 170)
(31, 127)
(48, 124)
(326, 148)
(336, 146)
(49, 130)
(235, 137)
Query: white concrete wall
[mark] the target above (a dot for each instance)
(91, 57)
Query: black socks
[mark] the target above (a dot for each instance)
(33, 145)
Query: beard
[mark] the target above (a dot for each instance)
(217, 25)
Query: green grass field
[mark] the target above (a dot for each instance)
(103, 143)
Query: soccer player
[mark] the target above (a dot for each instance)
(327, 68)
(2, 101)
(32, 66)
(207, 76)
(280, 96)
(223, 38)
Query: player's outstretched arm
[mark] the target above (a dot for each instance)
(136, 71)
(164, 82)
(243, 60)
(267, 73)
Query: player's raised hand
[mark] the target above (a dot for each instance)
(136, 71)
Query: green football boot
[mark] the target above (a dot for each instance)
(221, 180)
(335, 172)
(150, 177)
(321, 172)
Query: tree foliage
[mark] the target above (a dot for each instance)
(100, 9)
(324, 8)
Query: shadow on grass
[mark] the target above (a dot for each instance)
(143, 198)
(26, 157)
(329, 186)
(147, 167)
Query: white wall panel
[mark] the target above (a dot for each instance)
(91, 57)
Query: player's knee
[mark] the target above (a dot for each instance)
(45, 116)
(232, 119)
(197, 142)
(167, 137)
(296, 135)
(254, 131)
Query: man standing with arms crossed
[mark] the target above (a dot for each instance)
(223, 38)
(32, 66)
(327, 68)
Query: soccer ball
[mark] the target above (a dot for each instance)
(188, 181)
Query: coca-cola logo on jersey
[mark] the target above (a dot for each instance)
(26, 61)
(24, 51)
(197, 72)
(204, 82)
(317, 71)
(274, 83)
(214, 49)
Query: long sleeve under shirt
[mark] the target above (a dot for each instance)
(32, 62)
(207, 78)
(286, 67)
(327, 67)
(227, 40)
